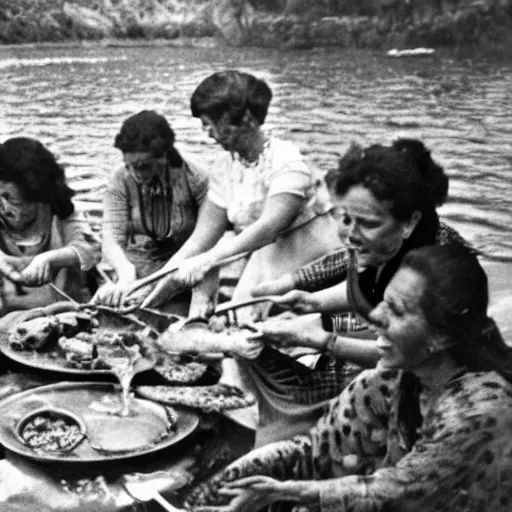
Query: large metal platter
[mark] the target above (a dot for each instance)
(77, 397)
(54, 359)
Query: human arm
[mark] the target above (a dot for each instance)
(322, 273)
(299, 333)
(116, 220)
(211, 224)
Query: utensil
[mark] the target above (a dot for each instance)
(63, 294)
(160, 274)
(146, 491)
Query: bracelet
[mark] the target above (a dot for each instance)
(330, 343)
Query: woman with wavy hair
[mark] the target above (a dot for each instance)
(151, 204)
(262, 188)
(42, 239)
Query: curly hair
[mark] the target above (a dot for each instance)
(34, 170)
(149, 132)
(404, 174)
(233, 92)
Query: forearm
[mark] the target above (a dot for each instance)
(114, 254)
(14, 302)
(363, 352)
(63, 257)
(331, 300)
(322, 273)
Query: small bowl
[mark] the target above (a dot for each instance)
(51, 413)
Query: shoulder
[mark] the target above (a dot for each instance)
(479, 394)
(284, 153)
(446, 235)
(119, 179)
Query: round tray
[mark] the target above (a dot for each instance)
(77, 397)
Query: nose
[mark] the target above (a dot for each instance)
(378, 317)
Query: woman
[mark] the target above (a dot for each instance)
(42, 239)
(262, 187)
(150, 204)
(385, 201)
(435, 437)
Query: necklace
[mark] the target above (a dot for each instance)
(155, 203)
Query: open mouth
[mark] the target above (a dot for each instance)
(383, 344)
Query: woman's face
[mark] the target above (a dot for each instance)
(222, 131)
(404, 333)
(143, 167)
(15, 210)
(368, 224)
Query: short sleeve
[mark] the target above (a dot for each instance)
(78, 235)
(197, 179)
(116, 208)
(218, 183)
(289, 172)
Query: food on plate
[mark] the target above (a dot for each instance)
(177, 369)
(51, 431)
(216, 398)
(42, 332)
(197, 337)
(34, 334)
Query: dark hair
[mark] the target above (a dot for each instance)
(33, 169)
(455, 303)
(403, 174)
(233, 92)
(149, 132)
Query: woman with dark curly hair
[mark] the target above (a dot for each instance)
(42, 239)
(385, 200)
(150, 204)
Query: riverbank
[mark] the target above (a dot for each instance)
(280, 24)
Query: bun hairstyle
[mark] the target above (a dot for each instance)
(403, 174)
(232, 92)
(434, 178)
(148, 132)
(33, 169)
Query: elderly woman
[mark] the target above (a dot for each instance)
(42, 239)
(150, 204)
(385, 202)
(434, 436)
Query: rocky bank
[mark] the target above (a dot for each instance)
(268, 23)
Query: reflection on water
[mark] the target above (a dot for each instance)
(75, 99)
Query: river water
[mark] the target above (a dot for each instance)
(74, 99)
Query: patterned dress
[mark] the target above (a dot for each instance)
(379, 447)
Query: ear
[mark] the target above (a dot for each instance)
(409, 225)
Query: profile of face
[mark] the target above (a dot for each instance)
(222, 131)
(367, 224)
(15, 211)
(404, 333)
(144, 167)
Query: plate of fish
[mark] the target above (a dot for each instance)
(86, 422)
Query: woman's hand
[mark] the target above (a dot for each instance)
(244, 499)
(39, 271)
(193, 270)
(166, 288)
(300, 302)
(112, 294)
(274, 287)
(11, 267)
